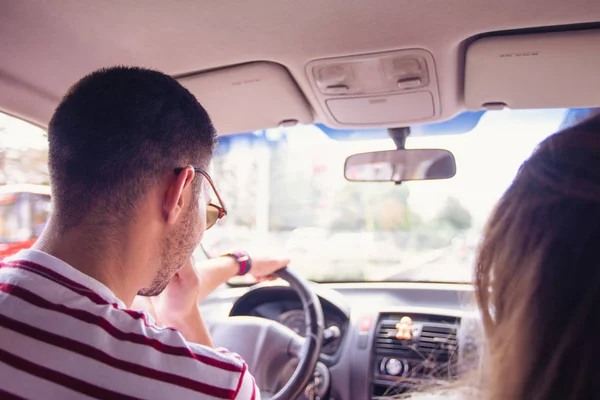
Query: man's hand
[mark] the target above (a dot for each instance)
(180, 297)
(263, 268)
(177, 306)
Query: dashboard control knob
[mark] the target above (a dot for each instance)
(394, 367)
(330, 334)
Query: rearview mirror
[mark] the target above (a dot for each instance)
(400, 165)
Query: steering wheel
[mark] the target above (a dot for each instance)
(268, 346)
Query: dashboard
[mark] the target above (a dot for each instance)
(367, 355)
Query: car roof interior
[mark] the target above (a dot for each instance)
(258, 64)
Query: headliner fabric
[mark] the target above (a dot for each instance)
(47, 46)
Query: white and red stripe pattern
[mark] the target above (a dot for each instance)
(64, 335)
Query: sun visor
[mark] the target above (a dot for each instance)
(249, 97)
(547, 70)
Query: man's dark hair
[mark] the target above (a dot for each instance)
(115, 133)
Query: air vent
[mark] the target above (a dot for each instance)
(386, 338)
(438, 341)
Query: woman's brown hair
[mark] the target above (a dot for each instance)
(538, 274)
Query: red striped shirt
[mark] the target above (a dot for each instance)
(64, 334)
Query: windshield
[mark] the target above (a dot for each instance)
(286, 193)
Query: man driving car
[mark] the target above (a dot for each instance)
(128, 154)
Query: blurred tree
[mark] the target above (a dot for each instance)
(373, 207)
(293, 200)
(455, 214)
(392, 211)
(348, 210)
(234, 170)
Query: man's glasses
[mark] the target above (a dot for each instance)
(213, 212)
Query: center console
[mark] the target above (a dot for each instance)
(412, 349)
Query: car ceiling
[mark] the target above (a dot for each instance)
(47, 46)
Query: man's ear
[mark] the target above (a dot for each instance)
(174, 201)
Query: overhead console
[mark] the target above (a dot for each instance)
(542, 70)
(388, 89)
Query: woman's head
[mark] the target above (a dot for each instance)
(538, 273)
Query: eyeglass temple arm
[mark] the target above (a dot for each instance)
(212, 185)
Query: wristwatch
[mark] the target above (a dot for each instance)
(243, 259)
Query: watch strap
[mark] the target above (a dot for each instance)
(243, 259)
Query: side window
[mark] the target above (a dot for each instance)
(24, 204)
(23, 152)
(9, 218)
(40, 211)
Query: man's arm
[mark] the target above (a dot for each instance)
(216, 271)
(177, 305)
